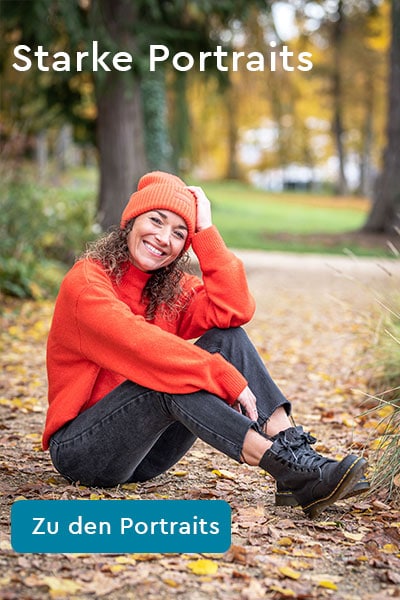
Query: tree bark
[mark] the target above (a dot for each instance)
(120, 136)
(366, 179)
(154, 99)
(121, 147)
(42, 153)
(180, 126)
(385, 213)
(233, 170)
(337, 125)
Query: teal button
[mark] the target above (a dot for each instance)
(119, 526)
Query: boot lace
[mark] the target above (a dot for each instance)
(300, 449)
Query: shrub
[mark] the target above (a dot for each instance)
(386, 456)
(41, 231)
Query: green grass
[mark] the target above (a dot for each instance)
(255, 219)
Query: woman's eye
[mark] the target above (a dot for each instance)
(179, 235)
(156, 220)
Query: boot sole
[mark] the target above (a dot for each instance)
(346, 484)
(288, 499)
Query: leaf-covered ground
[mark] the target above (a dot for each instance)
(315, 327)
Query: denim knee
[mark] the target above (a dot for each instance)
(216, 337)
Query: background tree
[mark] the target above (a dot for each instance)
(338, 33)
(120, 124)
(385, 212)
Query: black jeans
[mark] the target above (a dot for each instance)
(135, 433)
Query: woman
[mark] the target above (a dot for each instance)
(129, 393)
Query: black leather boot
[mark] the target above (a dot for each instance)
(315, 481)
(284, 497)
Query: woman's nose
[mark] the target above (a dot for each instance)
(163, 235)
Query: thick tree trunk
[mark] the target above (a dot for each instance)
(385, 213)
(120, 136)
(121, 147)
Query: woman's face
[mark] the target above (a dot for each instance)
(156, 239)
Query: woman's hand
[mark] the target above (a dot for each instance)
(246, 402)
(203, 219)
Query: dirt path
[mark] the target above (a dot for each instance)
(315, 327)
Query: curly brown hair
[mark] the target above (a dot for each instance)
(163, 292)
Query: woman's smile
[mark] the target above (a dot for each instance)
(152, 249)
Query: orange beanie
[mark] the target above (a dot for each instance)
(163, 190)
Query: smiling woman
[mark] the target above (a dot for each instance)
(129, 392)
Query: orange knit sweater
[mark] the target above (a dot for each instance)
(99, 336)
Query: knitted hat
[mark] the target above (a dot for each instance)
(163, 190)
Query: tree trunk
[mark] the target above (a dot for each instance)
(337, 125)
(366, 180)
(120, 126)
(154, 97)
(180, 126)
(233, 171)
(385, 213)
(64, 148)
(121, 147)
(42, 153)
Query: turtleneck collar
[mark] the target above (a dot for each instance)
(134, 276)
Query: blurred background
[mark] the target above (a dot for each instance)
(291, 160)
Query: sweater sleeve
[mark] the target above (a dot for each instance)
(222, 299)
(116, 339)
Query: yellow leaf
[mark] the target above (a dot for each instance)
(379, 443)
(5, 545)
(300, 564)
(279, 551)
(146, 557)
(61, 587)
(203, 566)
(356, 537)
(224, 474)
(116, 568)
(171, 582)
(33, 436)
(329, 585)
(390, 549)
(179, 473)
(385, 411)
(285, 541)
(126, 560)
(348, 421)
(129, 486)
(96, 496)
(286, 592)
(289, 572)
